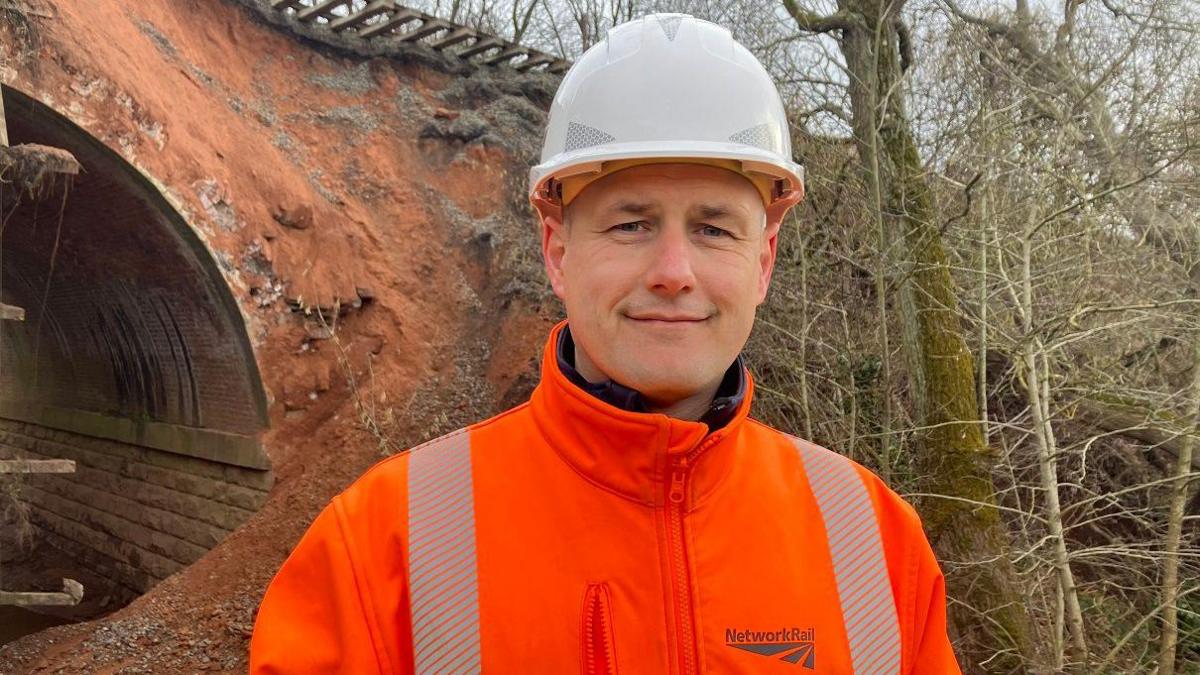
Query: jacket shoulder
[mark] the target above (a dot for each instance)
(892, 510)
(373, 512)
(388, 478)
(916, 579)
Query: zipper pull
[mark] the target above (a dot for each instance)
(677, 478)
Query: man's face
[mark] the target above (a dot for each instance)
(661, 268)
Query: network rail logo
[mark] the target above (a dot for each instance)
(794, 645)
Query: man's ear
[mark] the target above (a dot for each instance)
(554, 242)
(775, 213)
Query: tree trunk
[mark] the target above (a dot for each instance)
(807, 410)
(1071, 613)
(883, 270)
(985, 220)
(1179, 496)
(988, 620)
(1037, 390)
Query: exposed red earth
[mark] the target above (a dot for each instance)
(370, 215)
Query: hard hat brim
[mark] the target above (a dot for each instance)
(591, 160)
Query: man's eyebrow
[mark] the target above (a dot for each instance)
(704, 211)
(630, 207)
(712, 210)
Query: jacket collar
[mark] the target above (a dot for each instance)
(722, 409)
(629, 452)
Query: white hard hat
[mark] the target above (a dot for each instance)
(666, 87)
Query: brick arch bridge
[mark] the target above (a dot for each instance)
(133, 360)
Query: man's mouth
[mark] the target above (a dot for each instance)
(668, 318)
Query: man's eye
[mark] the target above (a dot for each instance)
(713, 231)
(629, 227)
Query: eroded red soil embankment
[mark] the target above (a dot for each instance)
(386, 190)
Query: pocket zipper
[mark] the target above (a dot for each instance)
(599, 652)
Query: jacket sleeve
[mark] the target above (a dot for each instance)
(934, 655)
(313, 618)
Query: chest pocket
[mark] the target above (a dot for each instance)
(598, 653)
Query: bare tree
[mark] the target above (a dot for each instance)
(1085, 262)
(876, 47)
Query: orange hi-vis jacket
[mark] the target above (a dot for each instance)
(568, 535)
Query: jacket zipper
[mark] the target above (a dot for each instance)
(678, 561)
(599, 650)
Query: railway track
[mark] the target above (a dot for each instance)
(379, 21)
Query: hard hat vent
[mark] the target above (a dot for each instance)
(583, 136)
(670, 24)
(759, 136)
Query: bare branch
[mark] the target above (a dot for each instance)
(993, 27)
(815, 23)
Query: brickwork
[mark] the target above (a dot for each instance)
(126, 311)
(132, 514)
(132, 360)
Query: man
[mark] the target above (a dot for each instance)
(631, 517)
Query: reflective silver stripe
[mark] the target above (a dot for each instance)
(859, 563)
(442, 580)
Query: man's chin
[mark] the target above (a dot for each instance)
(664, 390)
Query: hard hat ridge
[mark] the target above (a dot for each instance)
(670, 23)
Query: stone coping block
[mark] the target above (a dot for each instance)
(216, 446)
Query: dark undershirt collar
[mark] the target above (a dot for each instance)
(724, 405)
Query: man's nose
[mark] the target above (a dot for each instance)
(671, 269)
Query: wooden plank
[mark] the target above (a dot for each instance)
(37, 466)
(397, 19)
(506, 55)
(483, 44)
(428, 28)
(460, 35)
(534, 61)
(11, 313)
(372, 10)
(321, 10)
(71, 594)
